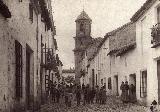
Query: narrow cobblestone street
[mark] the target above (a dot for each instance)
(112, 105)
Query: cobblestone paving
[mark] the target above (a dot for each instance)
(112, 105)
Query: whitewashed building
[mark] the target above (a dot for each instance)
(26, 30)
(147, 20)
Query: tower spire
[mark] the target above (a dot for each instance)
(83, 5)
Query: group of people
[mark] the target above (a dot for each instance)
(84, 94)
(89, 94)
(128, 93)
(54, 92)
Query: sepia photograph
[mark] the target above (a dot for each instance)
(79, 55)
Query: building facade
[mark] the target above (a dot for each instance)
(147, 38)
(26, 36)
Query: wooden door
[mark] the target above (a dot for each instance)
(116, 81)
(28, 79)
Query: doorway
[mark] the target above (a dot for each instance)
(28, 77)
(158, 75)
(132, 79)
(116, 85)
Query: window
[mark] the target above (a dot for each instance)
(20, 0)
(82, 27)
(31, 12)
(18, 73)
(143, 84)
(158, 15)
(109, 83)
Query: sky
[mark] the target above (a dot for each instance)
(106, 16)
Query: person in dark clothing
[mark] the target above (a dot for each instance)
(97, 94)
(83, 86)
(92, 95)
(103, 95)
(132, 93)
(122, 88)
(85, 96)
(53, 93)
(70, 97)
(126, 96)
(88, 94)
(57, 95)
(78, 95)
(66, 95)
(100, 96)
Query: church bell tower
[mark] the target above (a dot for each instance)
(82, 39)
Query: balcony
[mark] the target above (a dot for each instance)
(155, 33)
(50, 62)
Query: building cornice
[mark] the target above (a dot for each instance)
(142, 10)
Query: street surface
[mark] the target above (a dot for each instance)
(112, 105)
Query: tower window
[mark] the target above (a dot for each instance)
(82, 27)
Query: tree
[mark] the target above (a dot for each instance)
(70, 79)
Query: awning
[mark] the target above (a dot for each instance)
(112, 52)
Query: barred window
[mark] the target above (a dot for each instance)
(18, 73)
(109, 83)
(143, 84)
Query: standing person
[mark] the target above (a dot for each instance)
(97, 94)
(57, 94)
(66, 94)
(78, 95)
(70, 96)
(84, 95)
(53, 93)
(92, 95)
(122, 88)
(103, 95)
(132, 93)
(88, 94)
(83, 86)
(126, 96)
(100, 96)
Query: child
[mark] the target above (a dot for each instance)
(153, 107)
